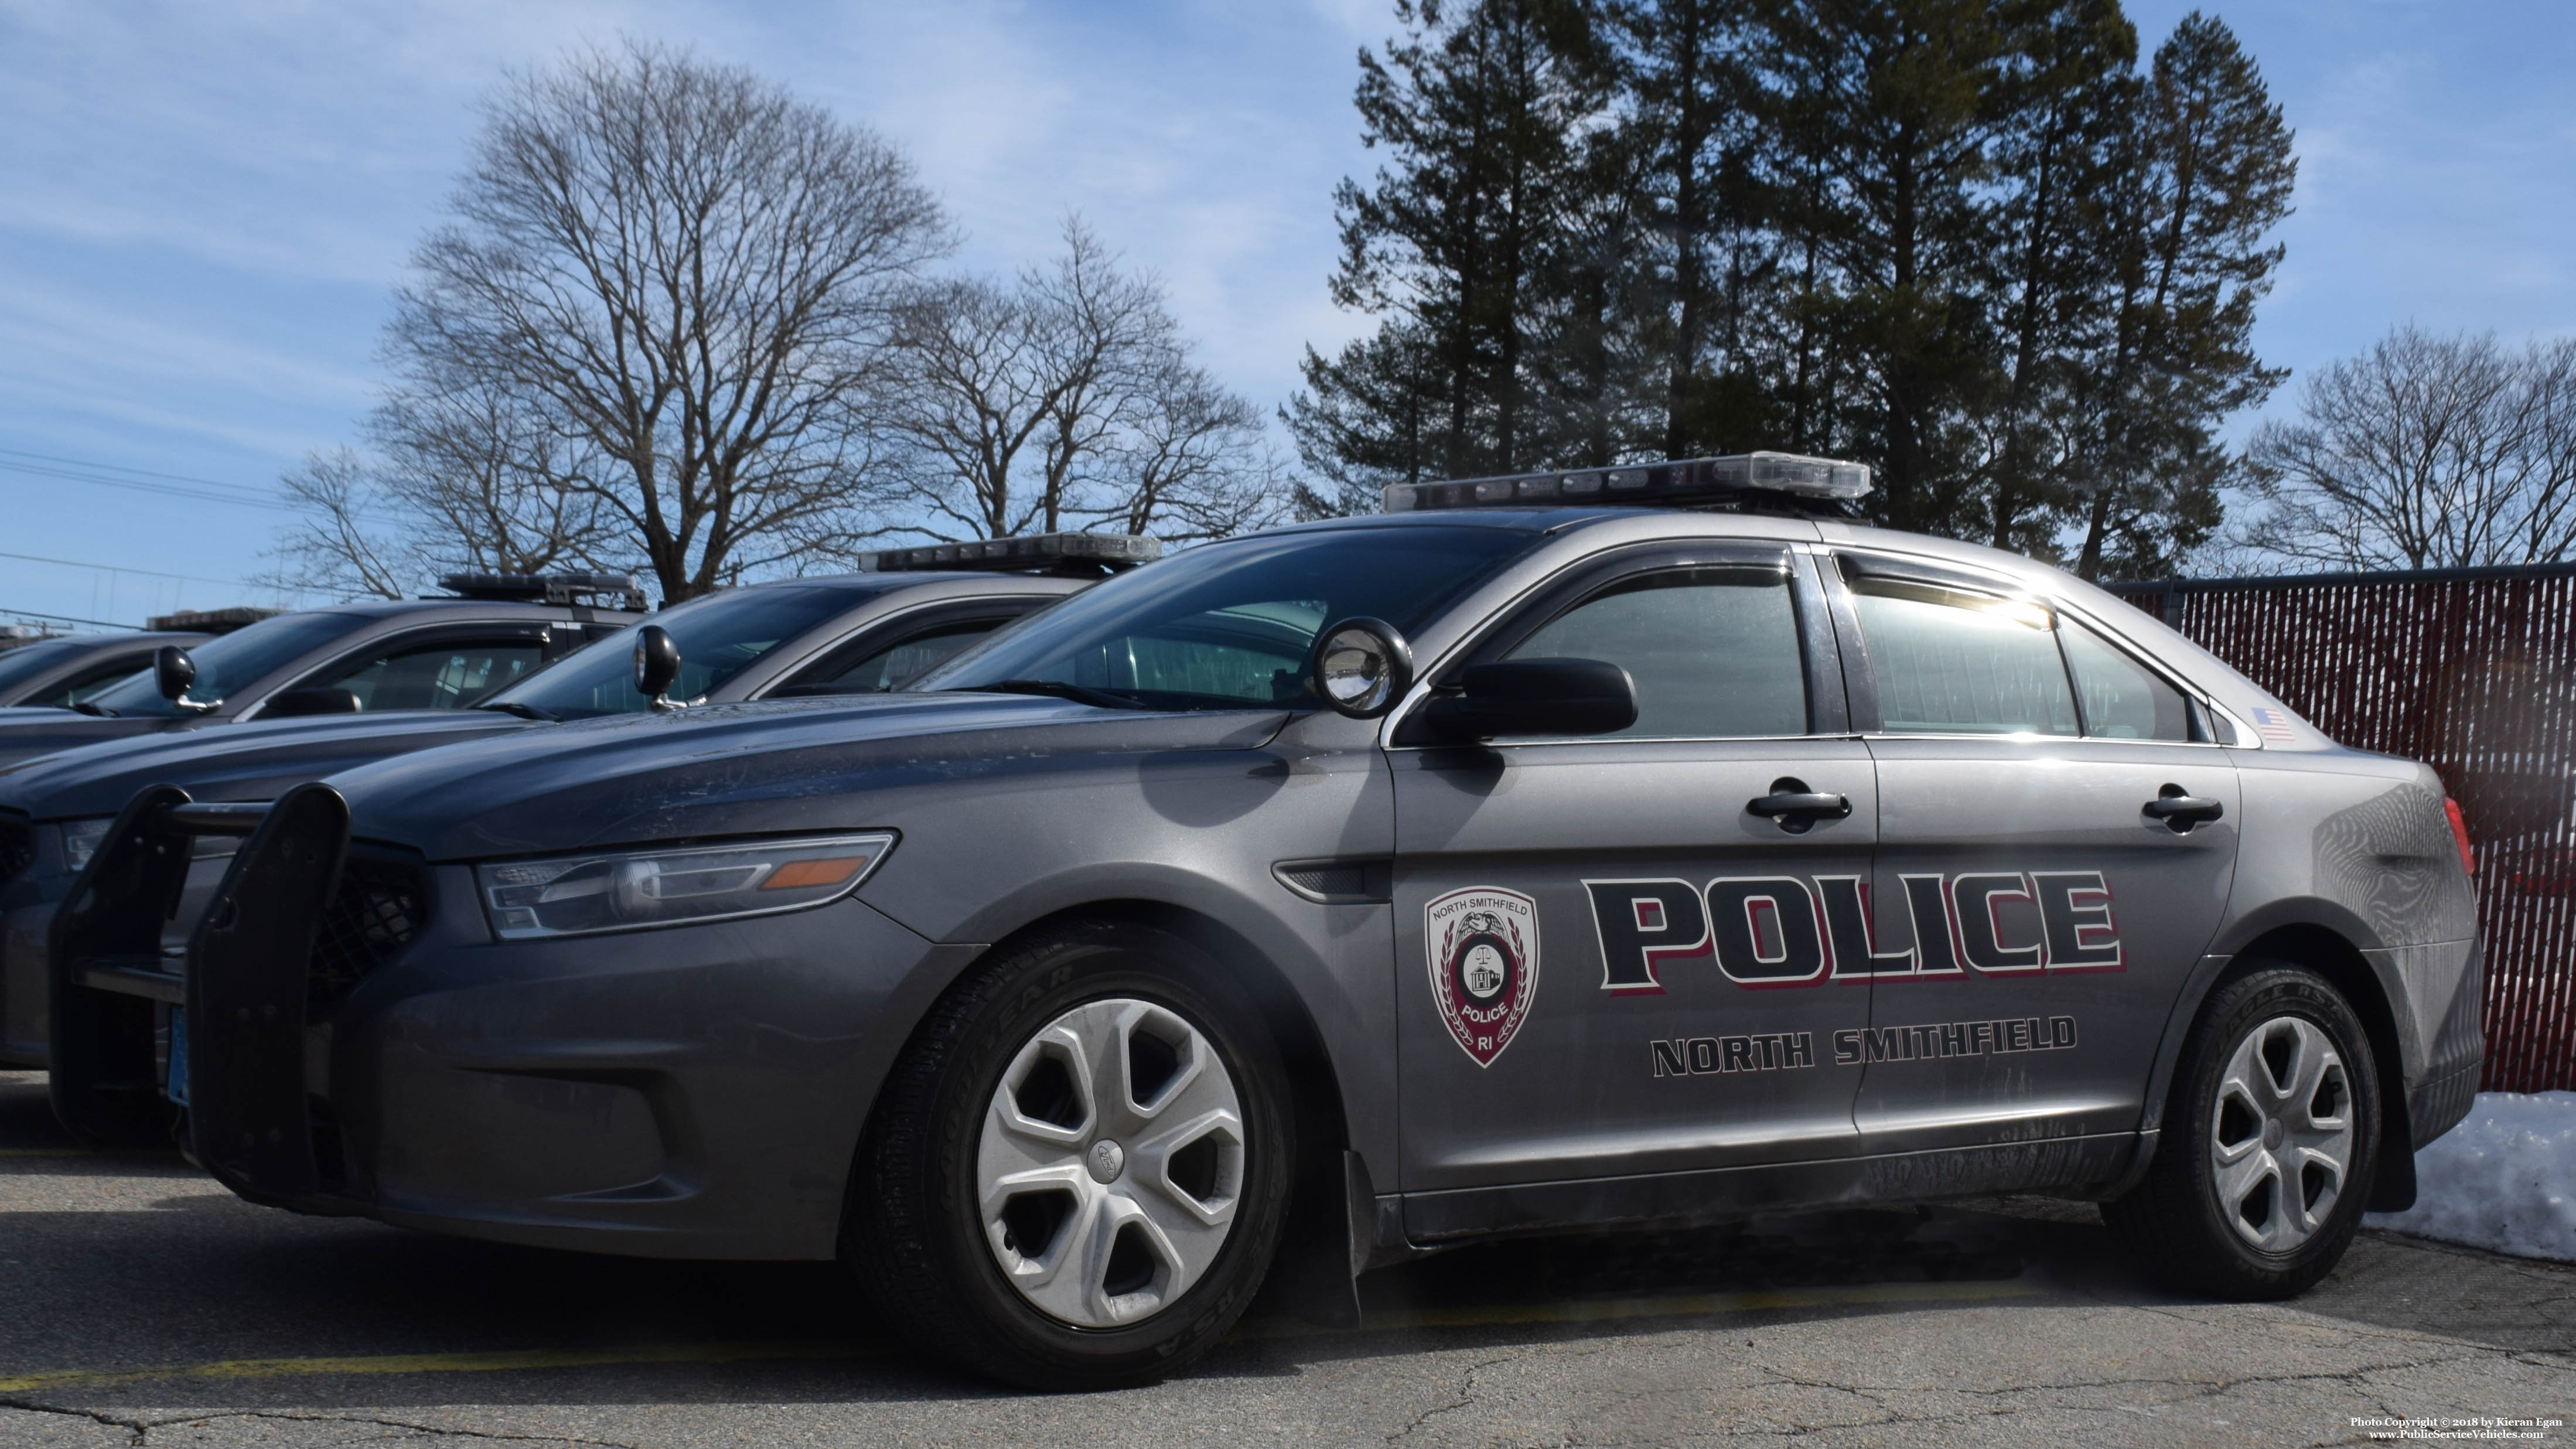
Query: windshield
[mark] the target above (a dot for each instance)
(25, 662)
(1229, 625)
(719, 637)
(227, 663)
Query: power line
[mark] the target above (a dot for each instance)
(148, 573)
(145, 480)
(69, 619)
(120, 468)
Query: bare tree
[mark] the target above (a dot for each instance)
(681, 279)
(471, 479)
(1065, 398)
(2425, 452)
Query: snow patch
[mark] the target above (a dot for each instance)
(2504, 1179)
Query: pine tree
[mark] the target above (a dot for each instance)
(1889, 109)
(1481, 111)
(2209, 176)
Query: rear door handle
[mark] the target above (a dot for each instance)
(2181, 811)
(1795, 807)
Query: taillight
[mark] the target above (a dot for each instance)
(2460, 833)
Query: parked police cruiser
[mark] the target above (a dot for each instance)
(1534, 857)
(853, 633)
(61, 673)
(427, 653)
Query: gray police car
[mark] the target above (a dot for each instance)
(1541, 855)
(426, 653)
(62, 673)
(848, 633)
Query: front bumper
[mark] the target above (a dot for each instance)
(690, 1091)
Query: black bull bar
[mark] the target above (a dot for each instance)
(242, 981)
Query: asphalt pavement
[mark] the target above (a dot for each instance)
(141, 1304)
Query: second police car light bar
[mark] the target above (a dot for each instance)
(1693, 480)
(1108, 551)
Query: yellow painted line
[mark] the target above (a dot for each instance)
(429, 1363)
(171, 1152)
(1584, 1311)
(1689, 1305)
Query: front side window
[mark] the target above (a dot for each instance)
(1713, 650)
(1953, 663)
(1230, 625)
(444, 675)
(231, 661)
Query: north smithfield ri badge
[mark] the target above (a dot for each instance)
(1482, 943)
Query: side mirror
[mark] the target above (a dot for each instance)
(1535, 697)
(173, 671)
(296, 702)
(657, 664)
(1362, 666)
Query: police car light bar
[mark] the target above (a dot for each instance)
(615, 591)
(1694, 480)
(1108, 551)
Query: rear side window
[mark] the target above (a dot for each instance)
(445, 675)
(1955, 663)
(1713, 650)
(2121, 700)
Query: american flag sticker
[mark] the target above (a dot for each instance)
(2275, 725)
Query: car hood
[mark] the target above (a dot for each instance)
(27, 731)
(745, 769)
(254, 761)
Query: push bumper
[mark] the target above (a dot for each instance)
(683, 1092)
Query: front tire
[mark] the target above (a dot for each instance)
(2270, 1142)
(1076, 1174)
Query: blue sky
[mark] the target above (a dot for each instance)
(202, 207)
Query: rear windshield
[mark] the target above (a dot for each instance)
(719, 637)
(227, 663)
(1229, 625)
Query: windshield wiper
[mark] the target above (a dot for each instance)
(523, 711)
(100, 710)
(1081, 694)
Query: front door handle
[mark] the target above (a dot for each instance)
(1795, 808)
(2181, 810)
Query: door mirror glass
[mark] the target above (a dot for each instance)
(173, 671)
(1536, 697)
(657, 664)
(296, 702)
(1362, 667)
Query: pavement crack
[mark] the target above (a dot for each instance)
(1466, 1397)
(142, 1428)
(137, 1427)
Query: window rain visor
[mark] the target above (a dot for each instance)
(1230, 625)
(227, 663)
(626, 890)
(719, 637)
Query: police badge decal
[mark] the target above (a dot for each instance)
(1482, 945)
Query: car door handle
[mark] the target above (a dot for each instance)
(1796, 807)
(2181, 811)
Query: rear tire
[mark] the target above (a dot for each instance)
(2269, 1146)
(1077, 1171)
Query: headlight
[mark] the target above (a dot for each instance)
(82, 838)
(628, 889)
